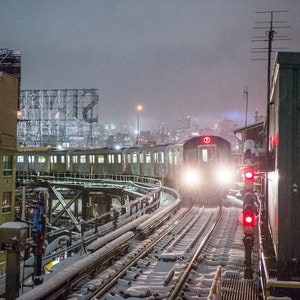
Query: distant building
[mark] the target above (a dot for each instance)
(54, 117)
(9, 89)
(163, 135)
(184, 128)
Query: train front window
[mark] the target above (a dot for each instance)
(207, 153)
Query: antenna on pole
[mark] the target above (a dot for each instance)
(245, 96)
(270, 37)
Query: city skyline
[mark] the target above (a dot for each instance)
(173, 57)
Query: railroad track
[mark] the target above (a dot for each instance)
(178, 260)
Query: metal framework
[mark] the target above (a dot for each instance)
(10, 62)
(67, 117)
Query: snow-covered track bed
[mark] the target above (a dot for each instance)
(156, 267)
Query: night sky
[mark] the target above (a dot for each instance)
(174, 57)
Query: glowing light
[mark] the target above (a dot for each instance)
(191, 177)
(224, 175)
(207, 140)
(248, 219)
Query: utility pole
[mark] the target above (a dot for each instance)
(272, 36)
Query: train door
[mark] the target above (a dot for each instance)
(31, 162)
(142, 163)
(111, 161)
(207, 153)
(155, 163)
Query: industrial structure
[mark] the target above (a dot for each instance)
(66, 117)
(10, 62)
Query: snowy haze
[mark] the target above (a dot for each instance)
(174, 57)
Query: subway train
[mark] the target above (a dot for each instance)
(198, 167)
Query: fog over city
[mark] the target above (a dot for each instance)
(173, 57)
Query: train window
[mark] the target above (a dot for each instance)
(41, 159)
(134, 158)
(53, 159)
(100, 159)
(148, 158)
(141, 157)
(74, 159)
(170, 157)
(31, 158)
(6, 202)
(82, 159)
(128, 158)
(119, 158)
(207, 153)
(20, 159)
(191, 156)
(111, 158)
(7, 165)
(162, 157)
(175, 155)
(62, 159)
(92, 159)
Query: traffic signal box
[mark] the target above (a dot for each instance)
(248, 219)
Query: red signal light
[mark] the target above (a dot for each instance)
(206, 140)
(249, 174)
(248, 219)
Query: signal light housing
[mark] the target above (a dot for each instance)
(249, 178)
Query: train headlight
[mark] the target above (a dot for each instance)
(224, 175)
(191, 177)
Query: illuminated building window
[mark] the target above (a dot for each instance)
(7, 165)
(20, 159)
(6, 202)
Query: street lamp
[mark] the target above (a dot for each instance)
(138, 108)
